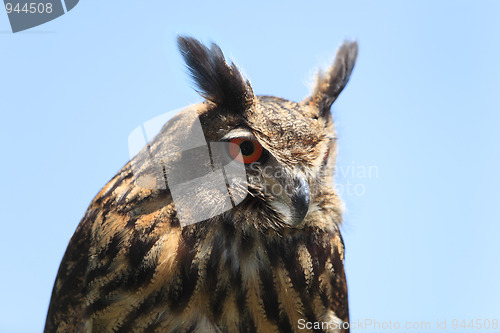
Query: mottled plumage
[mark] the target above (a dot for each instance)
(262, 266)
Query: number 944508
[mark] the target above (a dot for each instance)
(32, 8)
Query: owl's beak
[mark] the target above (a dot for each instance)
(291, 197)
(300, 198)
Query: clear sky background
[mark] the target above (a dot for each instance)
(422, 110)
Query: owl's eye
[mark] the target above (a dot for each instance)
(251, 150)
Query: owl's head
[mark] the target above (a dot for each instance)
(286, 149)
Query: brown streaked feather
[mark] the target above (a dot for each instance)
(155, 271)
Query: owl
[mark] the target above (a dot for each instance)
(226, 221)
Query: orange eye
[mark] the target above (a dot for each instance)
(250, 150)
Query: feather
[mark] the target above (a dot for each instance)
(216, 81)
(329, 85)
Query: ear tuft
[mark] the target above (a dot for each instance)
(329, 85)
(216, 80)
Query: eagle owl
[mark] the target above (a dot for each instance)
(153, 254)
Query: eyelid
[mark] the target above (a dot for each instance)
(238, 133)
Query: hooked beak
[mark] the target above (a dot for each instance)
(293, 199)
(300, 199)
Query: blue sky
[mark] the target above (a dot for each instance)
(422, 110)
